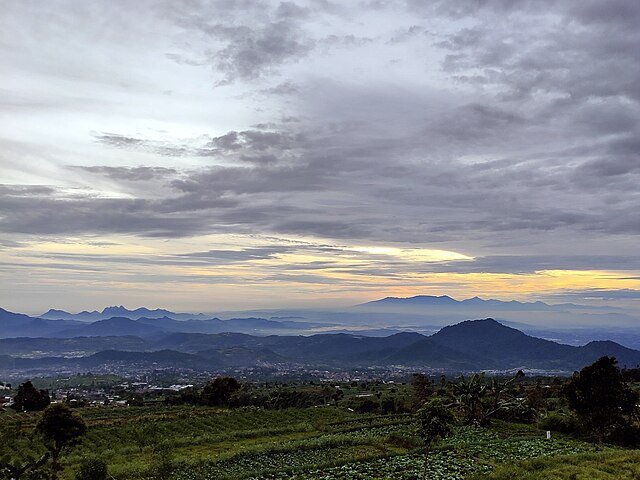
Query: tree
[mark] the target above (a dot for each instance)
(219, 391)
(30, 399)
(162, 466)
(59, 428)
(435, 422)
(600, 398)
(422, 388)
(479, 400)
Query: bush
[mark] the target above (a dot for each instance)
(559, 422)
(626, 435)
(92, 469)
(162, 465)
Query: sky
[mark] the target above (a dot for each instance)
(218, 155)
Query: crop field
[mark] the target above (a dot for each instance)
(203, 443)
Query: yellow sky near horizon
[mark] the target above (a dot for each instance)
(243, 272)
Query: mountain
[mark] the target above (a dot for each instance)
(14, 325)
(594, 350)
(242, 356)
(467, 346)
(497, 343)
(444, 301)
(19, 325)
(116, 326)
(215, 325)
(70, 346)
(160, 358)
(427, 352)
(120, 311)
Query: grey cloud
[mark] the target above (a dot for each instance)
(525, 264)
(260, 145)
(537, 57)
(242, 255)
(51, 214)
(528, 141)
(6, 243)
(406, 34)
(259, 38)
(284, 88)
(249, 52)
(602, 294)
(256, 140)
(130, 173)
(132, 143)
(119, 141)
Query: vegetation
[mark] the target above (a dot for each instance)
(60, 429)
(435, 423)
(454, 429)
(612, 465)
(92, 469)
(30, 399)
(601, 400)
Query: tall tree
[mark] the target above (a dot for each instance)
(435, 422)
(30, 399)
(59, 428)
(422, 388)
(219, 391)
(600, 397)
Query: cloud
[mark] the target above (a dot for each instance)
(242, 255)
(133, 174)
(602, 294)
(253, 41)
(526, 264)
(507, 131)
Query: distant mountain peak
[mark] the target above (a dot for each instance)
(114, 308)
(417, 299)
(476, 303)
(54, 311)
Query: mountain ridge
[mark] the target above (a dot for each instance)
(471, 345)
(445, 301)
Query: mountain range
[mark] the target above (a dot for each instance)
(13, 325)
(467, 346)
(475, 303)
(120, 311)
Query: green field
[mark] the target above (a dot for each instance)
(327, 442)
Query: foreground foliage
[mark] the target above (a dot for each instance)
(613, 465)
(473, 427)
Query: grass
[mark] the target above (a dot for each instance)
(611, 465)
(329, 443)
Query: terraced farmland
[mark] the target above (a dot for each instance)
(313, 443)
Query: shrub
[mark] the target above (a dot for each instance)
(559, 422)
(92, 469)
(626, 435)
